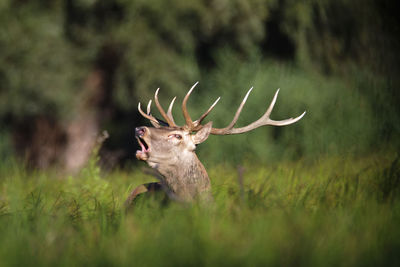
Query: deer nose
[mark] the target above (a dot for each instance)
(139, 131)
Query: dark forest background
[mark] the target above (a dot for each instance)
(70, 69)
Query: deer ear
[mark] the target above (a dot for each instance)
(203, 134)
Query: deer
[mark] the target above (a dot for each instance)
(171, 149)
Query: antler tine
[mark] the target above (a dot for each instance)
(264, 120)
(228, 128)
(198, 121)
(148, 113)
(189, 122)
(169, 111)
(148, 107)
(271, 106)
(162, 112)
(152, 119)
(285, 122)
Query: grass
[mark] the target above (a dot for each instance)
(333, 211)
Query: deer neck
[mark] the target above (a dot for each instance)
(185, 176)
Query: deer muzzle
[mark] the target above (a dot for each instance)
(142, 154)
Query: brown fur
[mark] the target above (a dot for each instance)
(149, 188)
(176, 161)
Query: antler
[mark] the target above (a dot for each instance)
(196, 125)
(167, 116)
(190, 125)
(148, 116)
(264, 120)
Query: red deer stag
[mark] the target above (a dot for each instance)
(170, 149)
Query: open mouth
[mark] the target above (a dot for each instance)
(142, 154)
(143, 144)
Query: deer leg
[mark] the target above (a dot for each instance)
(141, 189)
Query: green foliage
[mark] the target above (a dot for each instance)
(334, 35)
(343, 69)
(341, 116)
(6, 149)
(38, 71)
(312, 193)
(329, 212)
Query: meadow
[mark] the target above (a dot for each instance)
(322, 192)
(331, 211)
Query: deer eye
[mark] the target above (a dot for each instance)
(177, 136)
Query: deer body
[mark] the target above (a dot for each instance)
(170, 149)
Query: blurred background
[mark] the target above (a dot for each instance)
(70, 69)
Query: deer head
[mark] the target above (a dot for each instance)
(170, 148)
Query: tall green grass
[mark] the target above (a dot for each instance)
(326, 212)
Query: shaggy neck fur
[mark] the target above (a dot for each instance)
(185, 176)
